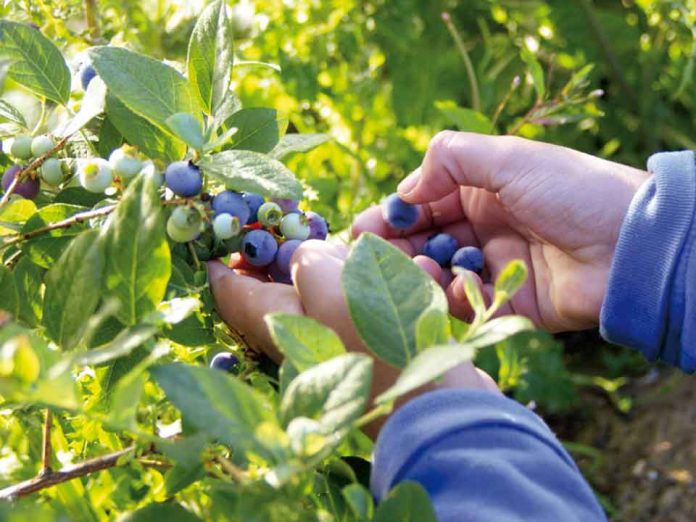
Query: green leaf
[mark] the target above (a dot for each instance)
(465, 119)
(180, 477)
(138, 258)
(360, 501)
(45, 249)
(10, 113)
(158, 512)
(186, 127)
(15, 213)
(334, 392)
(536, 72)
(124, 343)
(473, 293)
(146, 86)
(510, 280)
(291, 143)
(432, 328)
(8, 290)
(217, 404)
(247, 171)
(28, 278)
(303, 341)
(124, 401)
(438, 360)
(407, 502)
(140, 133)
(387, 293)
(37, 64)
(93, 104)
(257, 129)
(73, 289)
(109, 136)
(210, 56)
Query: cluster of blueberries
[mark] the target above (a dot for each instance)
(441, 247)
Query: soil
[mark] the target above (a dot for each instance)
(641, 464)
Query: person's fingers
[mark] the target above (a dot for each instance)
(439, 213)
(431, 267)
(457, 159)
(241, 267)
(242, 303)
(468, 376)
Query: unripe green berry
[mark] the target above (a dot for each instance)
(181, 234)
(95, 175)
(226, 226)
(52, 171)
(295, 226)
(270, 214)
(125, 162)
(41, 145)
(186, 217)
(21, 147)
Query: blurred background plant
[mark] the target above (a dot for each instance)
(612, 78)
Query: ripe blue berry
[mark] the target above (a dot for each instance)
(469, 258)
(280, 268)
(41, 145)
(254, 201)
(270, 214)
(95, 175)
(21, 147)
(183, 178)
(87, 74)
(259, 248)
(399, 214)
(229, 202)
(288, 205)
(125, 163)
(226, 226)
(318, 227)
(440, 247)
(295, 226)
(28, 189)
(224, 361)
(52, 171)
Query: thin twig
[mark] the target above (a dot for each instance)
(29, 169)
(233, 471)
(47, 452)
(92, 18)
(471, 73)
(68, 222)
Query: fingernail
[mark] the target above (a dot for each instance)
(409, 183)
(458, 288)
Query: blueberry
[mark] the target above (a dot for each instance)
(183, 178)
(229, 202)
(270, 214)
(125, 162)
(280, 268)
(226, 226)
(259, 248)
(288, 205)
(254, 201)
(295, 226)
(440, 247)
(318, 227)
(21, 147)
(277, 275)
(87, 74)
(224, 361)
(95, 175)
(469, 258)
(28, 189)
(52, 171)
(399, 214)
(41, 145)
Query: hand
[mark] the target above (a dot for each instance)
(557, 209)
(243, 298)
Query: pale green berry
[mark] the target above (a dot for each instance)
(52, 171)
(21, 147)
(41, 145)
(295, 226)
(125, 163)
(270, 214)
(186, 217)
(181, 234)
(95, 175)
(226, 226)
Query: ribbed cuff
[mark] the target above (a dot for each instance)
(645, 295)
(422, 422)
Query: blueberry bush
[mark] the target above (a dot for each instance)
(142, 139)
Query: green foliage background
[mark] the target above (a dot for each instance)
(382, 77)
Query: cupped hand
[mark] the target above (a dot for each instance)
(557, 209)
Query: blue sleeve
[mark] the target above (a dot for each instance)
(481, 456)
(651, 296)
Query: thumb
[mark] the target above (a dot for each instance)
(457, 159)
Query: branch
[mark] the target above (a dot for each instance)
(47, 449)
(470, 72)
(30, 169)
(68, 222)
(92, 18)
(58, 477)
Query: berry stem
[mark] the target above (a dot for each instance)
(30, 169)
(47, 450)
(92, 19)
(471, 73)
